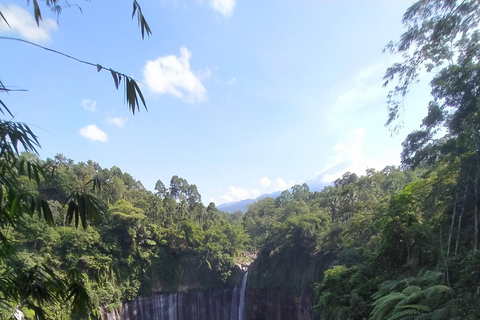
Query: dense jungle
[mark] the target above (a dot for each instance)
(78, 241)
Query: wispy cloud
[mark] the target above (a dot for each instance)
(23, 23)
(237, 194)
(349, 152)
(93, 133)
(231, 82)
(365, 88)
(278, 185)
(171, 74)
(117, 121)
(349, 156)
(224, 7)
(234, 194)
(281, 184)
(89, 105)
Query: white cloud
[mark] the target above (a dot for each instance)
(231, 82)
(228, 83)
(89, 105)
(349, 152)
(171, 74)
(23, 23)
(281, 184)
(237, 194)
(349, 156)
(117, 121)
(366, 88)
(93, 133)
(224, 7)
(265, 182)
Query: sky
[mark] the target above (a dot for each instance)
(244, 97)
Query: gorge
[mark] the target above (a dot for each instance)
(239, 303)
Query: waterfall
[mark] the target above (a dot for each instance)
(243, 289)
(221, 304)
(18, 314)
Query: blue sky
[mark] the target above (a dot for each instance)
(244, 97)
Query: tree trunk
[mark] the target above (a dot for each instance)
(460, 219)
(477, 203)
(453, 222)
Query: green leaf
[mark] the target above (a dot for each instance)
(142, 22)
(14, 207)
(115, 78)
(47, 213)
(139, 92)
(37, 13)
(3, 18)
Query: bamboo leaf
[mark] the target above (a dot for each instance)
(70, 211)
(37, 13)
(47, 213)
(85, 210)
(134, 8)
(3, 18)
(14, 207)
(5, 108)
(142, 22)
(115, 78)
(139, 92)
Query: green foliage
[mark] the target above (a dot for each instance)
(288, 257)
(344, 293)
(405, 299)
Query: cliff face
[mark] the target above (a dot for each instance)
(221, 304)
(279, 304)
(239, 303)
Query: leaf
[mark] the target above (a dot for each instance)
(142, 22)
(5, 108)
(72, 207)
(139, 92)
(115, 78)
(82, 207)
(3, 17)
(38, 14)
(14, 207)
(47, 213)
(134, 8)
(99, 68)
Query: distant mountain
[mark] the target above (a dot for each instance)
(243, 204)
(316, 184)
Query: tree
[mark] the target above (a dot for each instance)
(283, 199)
(160, 189)
(418, 297)
(442, 37)
(39, 286)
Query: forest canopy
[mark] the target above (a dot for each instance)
(394, 243)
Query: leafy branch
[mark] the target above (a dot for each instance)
(57, 9)
(132, 90)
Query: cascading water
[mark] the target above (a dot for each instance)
(18, 314)
(224, 304)
(241, 305)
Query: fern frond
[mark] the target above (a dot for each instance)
(411, 289)
(405, 314)
(384, 306)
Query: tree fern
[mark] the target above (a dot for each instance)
(434, 302)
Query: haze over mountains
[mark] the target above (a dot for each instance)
(316, 184)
